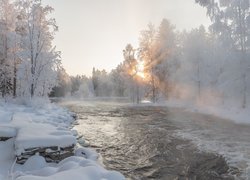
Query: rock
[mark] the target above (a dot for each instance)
(51, 154)
(74, 116)
(74, 132)
(4, 138)
(86, 153)
(35, 162)
(81, 141)
(7, 133)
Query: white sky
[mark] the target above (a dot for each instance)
(93, 33)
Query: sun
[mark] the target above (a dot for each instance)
(141, 74)
(140, 69)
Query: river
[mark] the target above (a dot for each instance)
(157, 142)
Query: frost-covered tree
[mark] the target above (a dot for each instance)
(63, 88)
(96, 81)
(7, 46)
(195, 54)
(165, 55)
(231, 23)
(39, 59)
(130, 69)
(101, 83)
(231, 20)
(118, 78)
(85, 89)
(147, 47)
(75, 83)
(130, 61)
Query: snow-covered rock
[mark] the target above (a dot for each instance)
(34, 163)
(87, 153)
(7, 132)
(76, 168)
(53, 142)
(41, 136)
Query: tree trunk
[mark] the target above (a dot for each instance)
(137, 94)
(199, 79)
(244, 78)
(32, 90)
(15, 70)
(244, 92)
(14, 79)
(5, 84)
(32, 75)
(241, 16)
(153, 89)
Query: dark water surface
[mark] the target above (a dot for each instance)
(141, 143)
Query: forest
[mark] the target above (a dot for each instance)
(208, 65)
(204, 65)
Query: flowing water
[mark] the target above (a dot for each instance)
(150, 142)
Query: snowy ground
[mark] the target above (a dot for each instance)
(39, 124)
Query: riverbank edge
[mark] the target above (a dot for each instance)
(65, 118)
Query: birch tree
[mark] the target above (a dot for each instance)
(39, 58)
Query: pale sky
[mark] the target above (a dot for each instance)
(93, 33)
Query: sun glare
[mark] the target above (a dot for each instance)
(141, 74)
(140, 69)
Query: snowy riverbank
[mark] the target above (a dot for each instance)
(30, 125)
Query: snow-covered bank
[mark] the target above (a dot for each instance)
(43, 125)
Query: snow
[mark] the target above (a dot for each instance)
(87, 153)
(6, 158)
(5, 116)
(37, 124)
(33, 134)
(72, 168)
(37, 128)
(35, 162)
(7, 131)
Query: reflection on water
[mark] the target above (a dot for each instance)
(141, 142)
